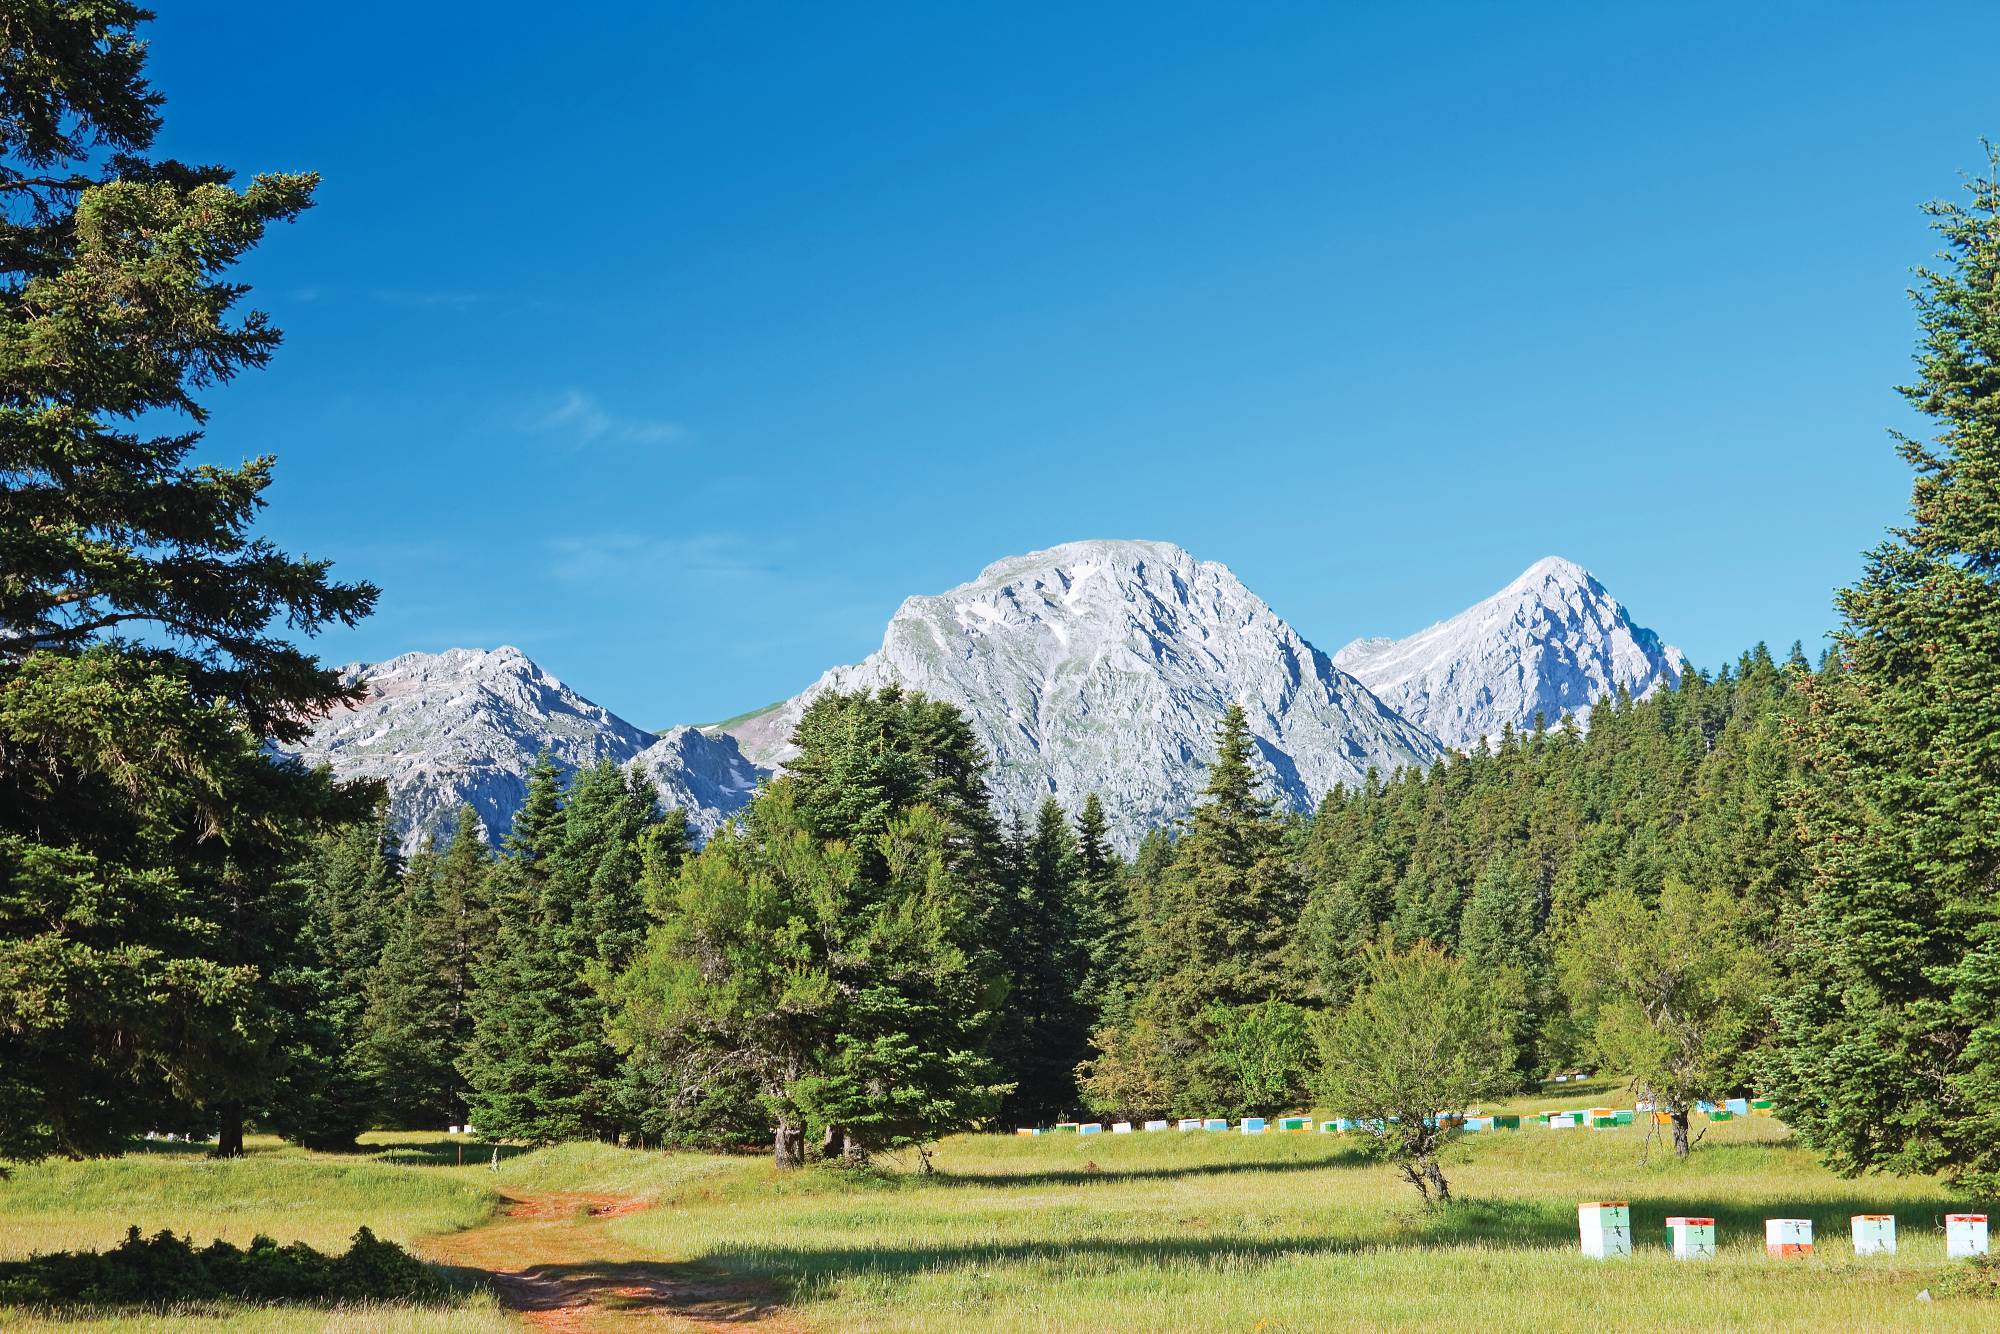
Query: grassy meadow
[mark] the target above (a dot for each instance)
(1162, 1231)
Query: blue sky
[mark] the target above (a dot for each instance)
(676, 344)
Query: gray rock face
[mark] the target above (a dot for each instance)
(1552, 642)
(465, 725)
(1103, 667)
(703, 774)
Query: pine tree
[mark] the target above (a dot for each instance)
(1046, 1025)
(419, 1019)
(145, 831)
(835, 952)
(1889, 1051)
(1218, 927)
(1104, 917)
(541, 1065)
(324, 1097)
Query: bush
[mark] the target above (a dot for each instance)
(1977, 1277)
(165, 1269)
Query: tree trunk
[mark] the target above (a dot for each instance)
(229, 1140)
(1440, 1189)
(788, 1145)
(830, 1143)
(851, 1151)
(1680, 1116)
(1416, 1178)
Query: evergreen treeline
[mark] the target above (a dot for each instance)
(1777, 876)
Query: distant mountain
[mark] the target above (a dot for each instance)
(1552, 642)
(465, 725)
(1103, 667)
(1091, 667)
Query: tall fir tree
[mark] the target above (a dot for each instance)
(541, 1065)
(1889, 1037)
(835, 953)
(1104, 917)
(1218, 929)
(147, 635)
(421, 999)
(1045, 1027)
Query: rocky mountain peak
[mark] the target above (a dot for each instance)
(1553, 641)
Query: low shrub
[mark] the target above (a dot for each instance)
(165, 1269)
(1977, 1277)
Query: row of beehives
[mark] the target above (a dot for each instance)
(1606, 1226)
(1601, 1118)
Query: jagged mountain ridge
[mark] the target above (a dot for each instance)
(1093, 666)
(466, 725)
(1552, 642)
(1103, 666)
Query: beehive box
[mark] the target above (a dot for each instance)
(1329, 1127)
(1253, 1125)
(1216, 1123)
(1506, 1123)
(1606, 1228)
(1091, 1128)
(1964, 1234)
(1158, 1125)
(1788, 1238)
(1691, 1238)
(1189, 1123)
(1065, 1127)
(1874, 1234)
(1027, 1130)
(1736, 1106)
(1292, 1123)
(1121, 1127)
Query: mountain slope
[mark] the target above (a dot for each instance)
(1551, 642)
(1103, 666)
(465, 725)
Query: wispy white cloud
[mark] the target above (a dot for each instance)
(421, 297)
(579, 418)
(624, 557)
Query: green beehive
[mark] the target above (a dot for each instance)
(1722, 1114)
(1506, 1123)
(1291, 1123)
(1541, 1118)
(1604, 1122)
(1623, 1118)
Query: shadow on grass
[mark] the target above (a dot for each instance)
(1502, 1224)
(442, 1153)
(692, 1292)
(1083, 1176)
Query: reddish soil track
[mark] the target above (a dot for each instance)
(552, 1258)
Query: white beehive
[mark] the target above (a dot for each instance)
(1874, 1234)
(1606, 1226)
(1691, 1238)
(1964, 1234)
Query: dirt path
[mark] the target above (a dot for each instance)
(553, 1258)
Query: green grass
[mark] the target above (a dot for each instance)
(1192, 1231)
(276, 1190)
(740, 718)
